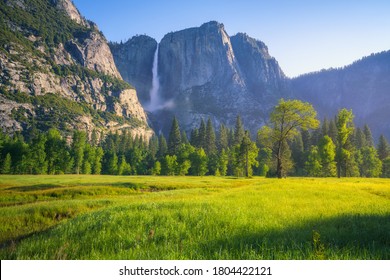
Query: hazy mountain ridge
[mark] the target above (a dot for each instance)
(57, 70)
(363, 86)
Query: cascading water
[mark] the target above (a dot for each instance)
(154, 97)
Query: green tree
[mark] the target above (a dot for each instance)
(169, 165)
(239, 131)
(174, 140)
(368, 136)
(345, 128)
(124, 168)
(327, 154)
(37, 154)
(248, 153)
(162, 147)
(386, 168)
(313, 164)
(371, 165)
(198, 162)
(223, 139)
(78, 146)
(383, 148)
(286, 119)
(156, 168)
(7, 165)
(210, 140)
(97, 162)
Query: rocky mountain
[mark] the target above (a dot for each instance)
(203, 72)
(57, 70)
(363, 86)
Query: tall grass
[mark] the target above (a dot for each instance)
(199, 218)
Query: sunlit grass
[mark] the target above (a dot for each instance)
(108, 217)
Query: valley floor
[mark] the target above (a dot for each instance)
(146, 217)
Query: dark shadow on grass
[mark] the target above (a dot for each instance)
(348, 236)
(35, 187)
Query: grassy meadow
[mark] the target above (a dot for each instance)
(146, 217)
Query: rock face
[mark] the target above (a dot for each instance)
(61, 73)
(205, 73)
(363, 86)
(134, 60)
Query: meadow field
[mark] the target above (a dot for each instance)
(146, 217)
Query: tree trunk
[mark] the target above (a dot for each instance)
(279, 168)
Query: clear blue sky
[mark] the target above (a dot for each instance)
(303, 35)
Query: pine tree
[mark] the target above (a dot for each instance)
(202, 135)
(174, 140)
(38, 155)
(360, 139)
(97, 161)
(195, 137)
(371, 165)
(162, 147)
(210, 140)
(7, 165)
(78, 146)
(223, 139)
(239, 131)
(368, 136)
(248, 153)
(383, 148)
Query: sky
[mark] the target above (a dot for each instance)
(303, 35)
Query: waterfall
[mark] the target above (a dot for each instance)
(154, 97)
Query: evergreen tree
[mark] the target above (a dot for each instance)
(37, 154)
(202, 135)
(112, 163)
(124, 168)
(371, 165)
(386, 168)
(210, 139)
(333, 130)
(223, 140)
(195, 137)
(239, 131)
(162, 147)
(298, 154)
(383, 148)
(368, 136)
(360, 139)
(184, 138)
(248, 153)
(97, 162)
(153, 146)
(174, 140)
(78, 146)
(169, 165)
(156, 168)
(223, 160)
(7, 165)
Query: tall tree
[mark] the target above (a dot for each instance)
(286, 118)
(327, 153)
(383, 148)
(162, 147)
(7, 165)
(174, 139)
(368, 136)
(371, 165)
(248, 153)
(223, 139)
(78, 146)
(239, 131)
(210, 141)
(345, 128)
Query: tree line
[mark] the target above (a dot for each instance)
(293, 143)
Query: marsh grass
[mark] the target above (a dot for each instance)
(108, 217)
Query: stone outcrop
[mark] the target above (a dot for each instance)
(80, 69)
(134, 60)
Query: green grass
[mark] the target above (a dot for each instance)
(114, 217)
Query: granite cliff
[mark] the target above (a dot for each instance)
(57, 70)
(203, 72)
